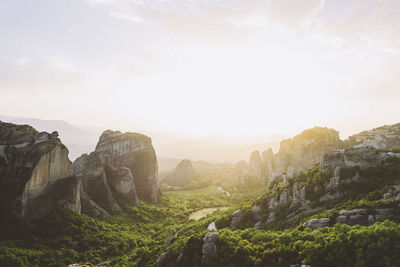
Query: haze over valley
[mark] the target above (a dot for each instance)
(167, 133)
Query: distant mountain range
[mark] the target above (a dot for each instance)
(216, 148)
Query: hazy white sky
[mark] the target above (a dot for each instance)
(243, 67)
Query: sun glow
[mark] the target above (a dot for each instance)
(236, 68)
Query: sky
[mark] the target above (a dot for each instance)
(237, 67)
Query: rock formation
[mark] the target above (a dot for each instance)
(351, 217)
(268, 164)
(305, 150)
(363, 157)
(317, 223)
(322, 145)
(261, 165)
(35, 174)
(91, 169)
(134, 151)
(237, 217)
(256, 166)
(210, 243)
(122, 182)
(295, 155)
(183, 174)
(384, 137)
(257, 213)
(241, 172)
(122, 166)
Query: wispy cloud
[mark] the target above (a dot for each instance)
(41, 74)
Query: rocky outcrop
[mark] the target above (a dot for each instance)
(161, 259)
(385, 137)
(90, 207)
(334, 181)
(260, 166)
(91, 169)
(121, 180)
(35, 174)
(183, 174)
(278, 200)
(241, 172)
(295, 155)
(136, 152)
(210, 243)
(298, 195)
(317, 223)
(393, 194)
(237, 217)
(256, 166)
(351, 217)
(362, 157)
(123, 167)
(362, 216)
(322, 145)
(212, 227)
(257, 213)
(305, 150)
(267, 164)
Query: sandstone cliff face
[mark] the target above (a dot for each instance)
(134, 151)
(123, 165)
(122, 181)
(305, 150)
(91, 169)
(32, 167)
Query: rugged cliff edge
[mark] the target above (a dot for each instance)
(35, 174)
(136, 152)
(384, 137)
(295, 155)
(123, 166)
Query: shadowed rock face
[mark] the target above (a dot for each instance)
(94, 180)
(136, 152)
(33, 165)
(122, 181)
(123, 165)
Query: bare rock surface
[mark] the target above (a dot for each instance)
(123, 165)
(33, 166)
(237, 217)
(136, 152)
(363, 157)
(209, 246)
